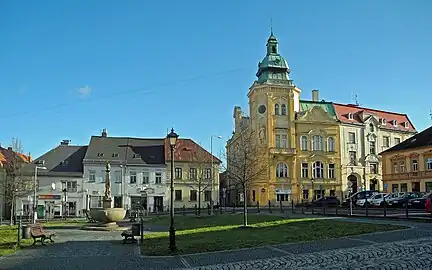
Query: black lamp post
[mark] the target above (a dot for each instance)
(65, 211)
(313, 190)
(172, 139)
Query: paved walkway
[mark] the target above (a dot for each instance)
(76, 249)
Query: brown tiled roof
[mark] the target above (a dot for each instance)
(342, 111)
(188, 150)
(6, 155)
(421, 139)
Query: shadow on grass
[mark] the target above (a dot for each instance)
(228, 237)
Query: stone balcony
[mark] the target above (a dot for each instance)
(283, 151)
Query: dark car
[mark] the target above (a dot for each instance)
(418, 203)
(401, 201)
(326, 201)
(359, 196)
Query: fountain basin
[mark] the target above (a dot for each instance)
(107, 218)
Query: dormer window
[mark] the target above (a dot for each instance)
(64, 163)
(406, 125)
(100, 154)
(136, 155)
(383, 121)
(115, 155)
(371, 127)
(395, 123)
(350, 116)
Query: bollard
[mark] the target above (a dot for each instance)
(142, 229)
(208, 209)
(19, 232)
(220, 209)
(184, 210)
(233, 209)
(406, 210)
(292, 206)
(366, 207)
(196, 210)
(385, 207)
(258, 209)
(281, 207)
(323, 211)
(269, 205)
(337, 206)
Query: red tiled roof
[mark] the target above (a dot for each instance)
(189, 151)
(6, 155)
(343, 110)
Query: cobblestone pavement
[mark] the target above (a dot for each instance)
(76, 249)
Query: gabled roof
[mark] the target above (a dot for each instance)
(62, 160)
(187, 150)
(8, 154)
(134, 151)
(306, 105)
(343, 110)
(421, 139)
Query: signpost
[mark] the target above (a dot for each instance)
(349, 195)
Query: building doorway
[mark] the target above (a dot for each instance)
(353, 179)
(373, 184)
(158, 203)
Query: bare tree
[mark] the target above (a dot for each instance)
(200, 173)
(15, 184)
(246, 162)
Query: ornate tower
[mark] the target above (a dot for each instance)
(273, 102)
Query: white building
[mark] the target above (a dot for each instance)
(138, 172)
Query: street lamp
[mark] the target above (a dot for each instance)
(34, 191)
(172, 139)
(313, 190)
(212, 173)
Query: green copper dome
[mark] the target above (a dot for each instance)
(273, 68)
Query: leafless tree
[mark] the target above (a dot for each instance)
(246, 163)
(15, 184)
(199, 177)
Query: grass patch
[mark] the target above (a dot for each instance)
(195, 235)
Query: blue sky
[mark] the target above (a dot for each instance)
(70, 68)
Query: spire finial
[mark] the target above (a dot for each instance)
(271, 25)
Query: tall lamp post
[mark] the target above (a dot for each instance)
(34, 191)
(313, 190)
(172, 139)
(212, 172)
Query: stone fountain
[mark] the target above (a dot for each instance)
(107, 216)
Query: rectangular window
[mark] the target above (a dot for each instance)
(351, 137)
(386, 141)
(95, 201)
(70, 186)
(207, 195)
(353, 157)
(193, 196)
(117, 177)
(331, 171)
(395, 188)
(373, 168)
(178, 195)
(404, 187)
(253, 195)
(414, 165)
(178, 173)
(133, 177)
(146, 177)
(278, 141)
(193, 173)
(92, 176)
(305, 170)
(284, 141)
(158, 178)
(429, 164)
(282, 197)
(428, 187)
(372, 149)
(395, 167)
(397, 141)
(305, 194)
(207, 173)
(402, 166)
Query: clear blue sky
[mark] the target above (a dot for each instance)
(70, 68)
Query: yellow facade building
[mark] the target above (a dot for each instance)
(407, 167)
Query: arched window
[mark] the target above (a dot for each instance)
(317, 143)
(281, 170)
(304, 143)
(371, 127)
(318, 170)
(331, 144)
(276, 109)
(283, 109)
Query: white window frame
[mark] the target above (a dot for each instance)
(158, 178)
(317, 143)
(351, 137)
(331, 144)
(276, 109)
(304, 143)
(132, 177)
(414, 165)
(92, 176)
(318, 170)
(282, 170)
(146, 177)
(305, 170)
(429, 164)
(117, 177)
(331, 171)
(283, 109)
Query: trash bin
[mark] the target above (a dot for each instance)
(136, 229)
(25, 233)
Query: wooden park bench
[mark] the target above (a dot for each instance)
(128, 237)
(38, 234)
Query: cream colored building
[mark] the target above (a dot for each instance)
(365, 133)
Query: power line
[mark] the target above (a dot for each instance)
(147, 91)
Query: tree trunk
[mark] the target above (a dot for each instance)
(199, 200)
(245, 220)
(11, 214)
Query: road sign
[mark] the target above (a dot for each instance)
(385, 185)
(241, 197)
(350, 184)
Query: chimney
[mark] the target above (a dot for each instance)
(104, 133)
(10, 149)
(315, 95)
(65, 142)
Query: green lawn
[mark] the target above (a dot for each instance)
(222, 232)
(9, 234)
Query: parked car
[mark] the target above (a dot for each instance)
(419, 203)
(428, 205)
(359, 197)
(377, 199)
(401, 201)
(327, 201)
